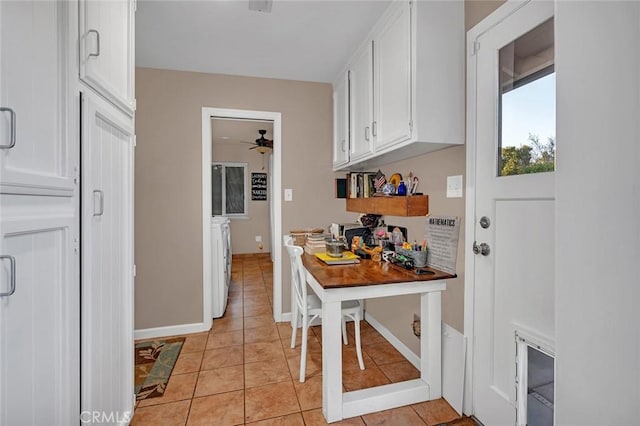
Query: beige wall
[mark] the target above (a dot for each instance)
(168, 246)
(244, 231)
(168, 187)
(476, 10)
(396, 313)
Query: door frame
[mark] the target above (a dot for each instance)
(276, 117)
(495, 18)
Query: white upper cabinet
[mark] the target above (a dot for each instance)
(413, 100)
(107, 50)
(341, 122)
(361, 113)
(35, 150)
(392, 80)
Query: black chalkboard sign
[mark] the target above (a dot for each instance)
(258, 186)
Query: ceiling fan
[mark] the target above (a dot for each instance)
(262, 144)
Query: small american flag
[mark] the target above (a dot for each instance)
(380, 181)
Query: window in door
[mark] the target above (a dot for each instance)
(229, 189)
(527, 102)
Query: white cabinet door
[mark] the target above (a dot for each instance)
(39, 322)
(34, 138)
(107, 252)
(106, 49)
(341, 122)
(392, 79)
(361, 77)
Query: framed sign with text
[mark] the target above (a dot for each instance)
(258, 186)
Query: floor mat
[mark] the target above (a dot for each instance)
(154, 362)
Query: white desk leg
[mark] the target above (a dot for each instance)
(331, 361)
(431, 342)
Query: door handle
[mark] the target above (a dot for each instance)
(12, 140)
(343, 145)
(374, 128)
(12, 279)
(482, 249)
(101, 202)
(97, 42)
(366, 133)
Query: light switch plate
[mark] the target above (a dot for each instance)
(288, 194)
(258, 238)
(454, 186)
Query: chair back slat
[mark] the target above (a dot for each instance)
(298, 279)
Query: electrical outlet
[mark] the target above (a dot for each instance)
(288, 194)
(415, 325)
(258, 238)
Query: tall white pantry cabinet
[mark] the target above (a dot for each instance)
(66, 211)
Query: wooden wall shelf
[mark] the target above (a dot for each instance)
(414, 205)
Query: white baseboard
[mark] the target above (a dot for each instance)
(395, 342)
(453, 359)
(170, 330)
(285, 317)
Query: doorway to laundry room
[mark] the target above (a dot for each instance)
(241, 176)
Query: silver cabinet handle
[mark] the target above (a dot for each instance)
(366, 133)
(374, 128)
(12, 141)
(343, 145)
(97, 42)
(101, 205)
(12, 288)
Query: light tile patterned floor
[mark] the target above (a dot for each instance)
(244, 372)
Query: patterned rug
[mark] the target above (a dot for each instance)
(154, 362)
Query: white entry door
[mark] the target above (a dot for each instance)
(512, 127)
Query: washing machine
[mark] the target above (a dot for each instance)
(220, 264)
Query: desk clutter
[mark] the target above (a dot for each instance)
(371, 238)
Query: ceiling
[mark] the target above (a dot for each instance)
(308, 40)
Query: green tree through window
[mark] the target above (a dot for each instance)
(535, 157)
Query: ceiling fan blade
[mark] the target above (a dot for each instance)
(254, 146)
(250, 143)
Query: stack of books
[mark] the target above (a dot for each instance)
(361, 185)
(315, 244)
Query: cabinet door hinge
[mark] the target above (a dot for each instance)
(475, 47)
(135, 270)
(135, 141)
(411, 126)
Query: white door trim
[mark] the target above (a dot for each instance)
(276, 117)
(473, 34)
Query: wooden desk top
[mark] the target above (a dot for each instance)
(367, 272)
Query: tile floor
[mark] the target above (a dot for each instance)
(244, 372)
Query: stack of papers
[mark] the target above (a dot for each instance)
(315, 244)
(347, 258)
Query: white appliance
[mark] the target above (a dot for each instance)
(220, 264)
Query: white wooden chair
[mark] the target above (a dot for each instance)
(309, 307)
